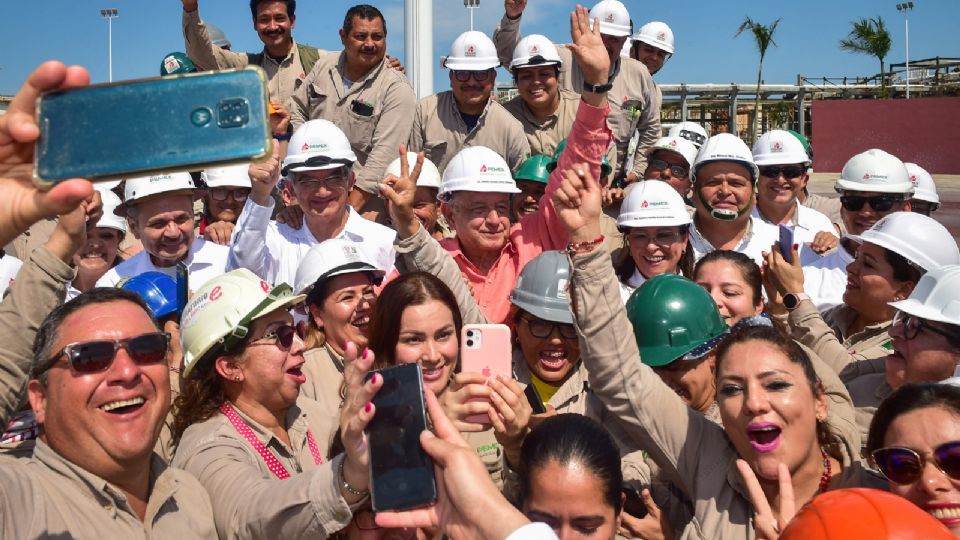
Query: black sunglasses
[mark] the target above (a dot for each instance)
(675, 170)
(283, 335)
(693, 137)
(97, 355)
(464, 76)
(788, 171)
(905, 466)
(879, 203)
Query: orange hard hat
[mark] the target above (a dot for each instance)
(860, 513)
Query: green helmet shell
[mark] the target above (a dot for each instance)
(534, 168)
(605, 168)
(672, 317)
(176, 63)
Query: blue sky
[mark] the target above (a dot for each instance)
(74, 31)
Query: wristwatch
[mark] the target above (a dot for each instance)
(597, 88)
(791, 301)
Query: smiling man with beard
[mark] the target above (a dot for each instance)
(100, 390)
(356, 90)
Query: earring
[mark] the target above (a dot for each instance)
(236, 378)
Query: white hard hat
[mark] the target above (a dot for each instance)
(429, 174)
(232, 176)
(675, 144)
(472, 51)
(690, 131)
(779, 147)
(725, 147)
(220, 314)
(653, 203)
(656, 34)
(936, 296)
(477, 168)
(613, 16)
(534, 51)
(920, 239)
(110, 219)
(331, 258)
(925, 188)
(142, 187)
(876, 171)
(317, 145)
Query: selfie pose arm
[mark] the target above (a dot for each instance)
(251, 246)
(199, 48)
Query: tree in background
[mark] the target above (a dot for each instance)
(870, 36)
(763, 37)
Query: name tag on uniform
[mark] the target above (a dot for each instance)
(361, 108)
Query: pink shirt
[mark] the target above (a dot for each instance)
(541, 231)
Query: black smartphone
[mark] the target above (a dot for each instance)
(164, 124)
(633, 503)
(183, 288)
(401, 472)
(533, 397)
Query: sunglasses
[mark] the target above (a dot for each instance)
(464, 76)
(97, 355)
(282, 336)
(544, 329)
(662, 238)
(788, 171)
(221, 194)
(693, 137)
(912, 326)
(905, 466)
(879, 203)
(675, 170)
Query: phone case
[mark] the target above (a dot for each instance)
(486, 349)
(148, 126)
(786, 242)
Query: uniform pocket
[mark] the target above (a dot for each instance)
(626, 118)
(359, 129)
(435, 150)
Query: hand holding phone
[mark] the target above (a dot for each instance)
(485, 349)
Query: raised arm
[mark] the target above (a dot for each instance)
(507, 34)
(249, 246)
(196, 41)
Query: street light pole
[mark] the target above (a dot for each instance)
(109, 15)
(904, 8)
(471, 5)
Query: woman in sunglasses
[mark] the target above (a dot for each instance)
(226, 193)
(670, 159)
(655, 223)
(854, 338)
(915, 442)
(258, 446)
(340, 288)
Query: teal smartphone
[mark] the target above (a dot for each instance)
(148, 126)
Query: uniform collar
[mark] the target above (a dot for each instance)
(286, 59)
(456, 110)
(341, 72)
(704, 246)
(452, 245)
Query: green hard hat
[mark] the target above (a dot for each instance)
(542, 287)
(605, 168)
(534, 168)
(176, 63)
(674, 318)
(803, 140)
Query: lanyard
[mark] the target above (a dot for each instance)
(272, 462)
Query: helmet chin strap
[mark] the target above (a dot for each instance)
(723, 214)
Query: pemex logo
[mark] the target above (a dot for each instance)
(644, 204)
(777, 146)
(471, 51)
(609, 17)
(662, 36)
(673, 143)
(483, 168)
(534, 49)
(866, 176)
(491, 168)
(305, 147)
(913, 179)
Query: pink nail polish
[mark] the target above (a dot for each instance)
(376, 378)
(368, 407)
(364, 353)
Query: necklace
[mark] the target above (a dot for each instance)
(272, 462)
(825, 477)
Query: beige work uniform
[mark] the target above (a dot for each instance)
(248, 500)
(46, 496)
(544, 137)
(684, 443)
(868, 392)
(850, 356)
(323, 368)
(440, 132)
(283, 76)
(633, 99)
(40, 287)
(375, 113)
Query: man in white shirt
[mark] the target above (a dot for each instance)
(724, 184)
(783, 166)
(318, 167)
(159, 210)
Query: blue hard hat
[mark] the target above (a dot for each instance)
(158, 290)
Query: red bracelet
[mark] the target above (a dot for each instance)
(575, 248)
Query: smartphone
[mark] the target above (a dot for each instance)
(633, 503)
(183, 288)
(401, 472)
(148, 126)
(485, 349)
(534, 399)
(786, 243)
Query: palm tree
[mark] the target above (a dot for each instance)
(763, 36)
(870, 36)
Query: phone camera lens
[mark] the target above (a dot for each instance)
(469, 343)
(469, 333)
